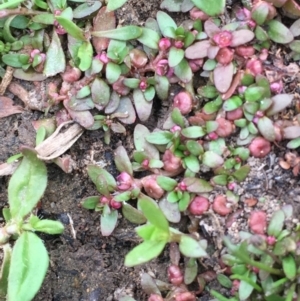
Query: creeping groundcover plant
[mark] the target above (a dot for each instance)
(110, 76)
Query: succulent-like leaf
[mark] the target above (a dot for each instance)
(223, 75)
(289, 266)
(5, 269)
(279, 33)
(195, 185)
(232, 103)
(295, 28)
(260, 13)
(242, 173)
(183, 71)
(241, 37)
(189, 247)
(291, 132)
(164, 22)
(193, 132)
(192, 163)
(280, 102)
(159, 137)
(124, 33)
(29, 264)
(27, 185)
(115, 4)
(122, 160)
(132, 214)
(126, 107)
(212, 159)
(71, 28)
(211, 8)
(166, 183)
(175, 56)
(170, 210)
(100, 92)
(90, 202)
(276, 223)
(266, 128)
(198, 50)
(142, 106)
(49, 226)
(149, 38)
(162, 86)
(108, 221)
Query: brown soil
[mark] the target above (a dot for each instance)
(86, 266)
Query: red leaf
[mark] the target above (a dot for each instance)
(7, 108)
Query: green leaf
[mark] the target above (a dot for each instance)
(279, 33)
(29, 264)
(172, 197)
(133, 215)
(276, 223)
(177, 117)
(27, 185)
(124, 33)
(144, 252)
(266, 128)
(113, 72)
(49, 227)
(86, 9)
(254, 93)
(85, 55)
(242, 173)
(260, 13)
(189, 247)
(212, 159)
(115, 4)
(295, 143)
(55, 57)
(246, 287)
(224, 280)
(289, 266)
(162, 86)
(149, 38)
(190, 271)
(13, 60)
(232, 103)
(71, 28)
(193, 132)
(6, 259)
(195, 185)
(192, 163)
(103, 180)
(175, 56)
(211, 8)
(183, 71)
(166, 183)
(122, 160)
(90, 202)
(108, 221)
(194, 147)
(100, 92)
(165, 22)
(153, 214)
(159, 137)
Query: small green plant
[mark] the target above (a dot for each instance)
(24, 265)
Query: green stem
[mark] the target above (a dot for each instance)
(10, 4)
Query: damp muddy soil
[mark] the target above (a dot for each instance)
(85, 266)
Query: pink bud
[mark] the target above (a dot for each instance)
(164, 44)
(245, 51)
(182, 186)
(151, 187)
(195, 64)
(183, 101)
(276, 87)
(104, 200)
(231, 185)
(220, 205)
(175, 275)
(103, 57)
(143, 85)
(155, 297)
(223, 38)
(178, 44)
(243, 14)
(162, 67)
(199, 205)
(235, 286)
(175, 128)
(197, 14)
(225, 127)
(258, 222)
(259, 114)
(235, 114)
(138, 58)
(251, 23)
(125, 181)
(114, 204)
(185, 296)
(255, 270)
(34, 52)
(145, 164)
(119, 86)
(171, 162)
(225, 56)
(254, 66)
(271, 240)
(242, 89)
(259, 147)
(71, 74)
(213, 136)
(60, 30)
(264, 54)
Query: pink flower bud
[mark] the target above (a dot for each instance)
(195, 64)
(162, 67)
(258, 222)
(243, 14)
(276, 87)
(220, 205)
(259, 114)
(175, 275)
(235, 286)
(182, 186)
(242, 89)
(235, 114)
(259, 147)
(71, 74)
(251, 23)
(231, 185)
(185, 296)
(178, 44)
(103, 57)
(60, 30)
(199, 205)
(155, 297)
(145, 164)
(138, 58)
(245, 51)
(151, 187)
(225, 56)
(213, 136)
(223, 38)
(271, 240)
(164, 44)
(255, 270)
(125, 181)
(171, 162)
(197, 14)
(254, 66)
(184, 102)
(104, 200)
(34, 52)
(175, 128)
(143, 85)
(225, 127)
(264, 54)
(114, 204)
(119, 87)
